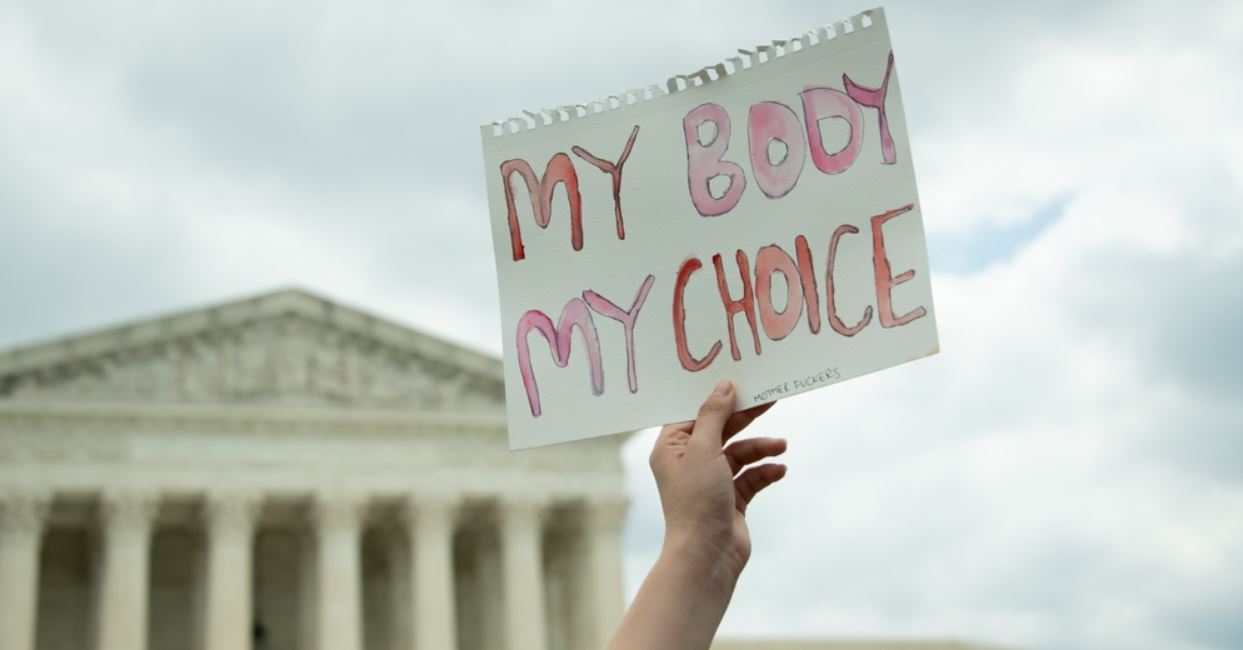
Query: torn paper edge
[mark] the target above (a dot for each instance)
(749, 60)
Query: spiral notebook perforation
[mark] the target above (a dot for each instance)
(747, 60)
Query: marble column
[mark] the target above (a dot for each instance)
(22, 517)
(397, 552)
(430, 521)
(522, 564)
(338, 521)
(603, 536)
(308, 583)
(230, 547)
(127, 523)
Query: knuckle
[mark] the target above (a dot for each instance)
(713, 406)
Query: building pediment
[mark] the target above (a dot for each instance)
(284, 348)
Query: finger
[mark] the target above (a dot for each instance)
(674, 431)
(739, 421)
(750, 482)
(744, 452)
(671, 439)
(713, 414)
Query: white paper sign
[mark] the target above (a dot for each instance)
(756, 220)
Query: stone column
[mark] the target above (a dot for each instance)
(22, 516)
(308, 583)
(230, 547)
(522, 564)
(338, 519)
(127, 523)
(397, 552)
(430, 522)
(603, 537)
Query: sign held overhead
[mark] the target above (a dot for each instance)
(756, 220)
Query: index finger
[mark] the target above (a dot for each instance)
(714, 414)
(742, 419)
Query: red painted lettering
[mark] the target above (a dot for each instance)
(835, 322)
(811, 294)
(614, 170)
(688, 360)
(560, 170)
(745, 304)
(769, 260)
(885, 280)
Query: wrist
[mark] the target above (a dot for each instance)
(713, 564)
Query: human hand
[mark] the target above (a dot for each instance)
(705, 486)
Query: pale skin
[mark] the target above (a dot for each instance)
(705, 484)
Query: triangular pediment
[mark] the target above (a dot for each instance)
(285, 348)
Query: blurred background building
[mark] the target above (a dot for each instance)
(284, 473)
(291, 471)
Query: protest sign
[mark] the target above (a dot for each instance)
(756, 220)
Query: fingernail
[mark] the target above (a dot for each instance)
(722, 388)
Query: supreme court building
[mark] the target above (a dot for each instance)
(285, 473)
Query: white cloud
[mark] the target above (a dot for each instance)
(1058, 477)
(1065, 474)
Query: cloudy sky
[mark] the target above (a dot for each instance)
(1068, 473)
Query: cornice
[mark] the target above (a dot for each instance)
(43, 415)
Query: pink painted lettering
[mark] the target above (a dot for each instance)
(768, 123)
(705, 161)
(627, 318)
(574, 314)
(875, 98)
(827, 103)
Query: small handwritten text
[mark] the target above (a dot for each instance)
(797, 385)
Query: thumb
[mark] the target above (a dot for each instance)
(713, 413)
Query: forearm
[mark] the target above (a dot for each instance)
(680, 604)
(704, 496)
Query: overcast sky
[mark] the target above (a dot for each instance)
(1067, 473)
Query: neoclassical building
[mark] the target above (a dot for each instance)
(286, 473)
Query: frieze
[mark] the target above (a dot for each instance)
(129, 511)
(285, 359)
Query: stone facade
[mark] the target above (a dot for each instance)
(874, 644)
(285, 473)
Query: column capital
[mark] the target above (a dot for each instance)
(522, 507)
(133, 510)
(22, 516)
(608, 513)
(339, 509)
(421, 507)
(24, 509)
(232, 510)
